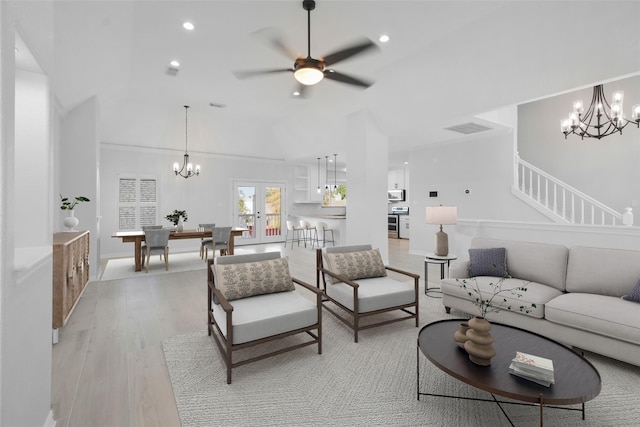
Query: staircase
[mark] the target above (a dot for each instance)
(557, 200)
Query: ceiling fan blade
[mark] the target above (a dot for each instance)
(275, 39)
(350, 51)
(255, 73)
(343, 78)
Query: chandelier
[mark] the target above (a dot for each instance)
(187, 170)
(600, 119)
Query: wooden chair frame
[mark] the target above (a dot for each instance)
(355, 316)
(225, 344)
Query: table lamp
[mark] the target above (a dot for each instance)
(446, 215)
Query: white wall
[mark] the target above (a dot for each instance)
(207, 198)
(78, 161)
(25, 254)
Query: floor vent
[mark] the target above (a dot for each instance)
(468, 128)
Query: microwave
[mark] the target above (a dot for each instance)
(396, 195)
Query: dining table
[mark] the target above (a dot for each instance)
(137, 237)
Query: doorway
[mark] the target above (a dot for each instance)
(258, 207)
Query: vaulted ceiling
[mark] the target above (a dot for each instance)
(446, 62)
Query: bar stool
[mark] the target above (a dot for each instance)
(294, 230)
(324, 229)
(310, 234)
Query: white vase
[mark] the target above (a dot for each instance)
(180, 224)
(71, 222)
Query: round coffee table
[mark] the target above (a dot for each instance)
(576, 379)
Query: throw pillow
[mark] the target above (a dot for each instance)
(488, 262)
(248, 279)
(635, 293)
(356, 265)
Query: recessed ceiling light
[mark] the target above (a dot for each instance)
(174, 63)
(188, 26)
(383, 38)
(296, 93)
(406, 163)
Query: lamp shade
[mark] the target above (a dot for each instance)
(442, 215)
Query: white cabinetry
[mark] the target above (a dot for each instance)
(301, 183)
(397, 179)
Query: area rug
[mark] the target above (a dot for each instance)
(372, 383)
(122, 268)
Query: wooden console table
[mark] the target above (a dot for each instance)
(137, 237)
(70, 272)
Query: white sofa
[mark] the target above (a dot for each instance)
(577, 292)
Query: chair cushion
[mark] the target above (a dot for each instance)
(374, 294)
(356, 265)
(488, 262)
(248, 279)
(267, 315)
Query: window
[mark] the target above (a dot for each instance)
(137, 202)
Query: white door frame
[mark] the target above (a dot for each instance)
(264, 228)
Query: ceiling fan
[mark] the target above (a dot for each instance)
(310, 71)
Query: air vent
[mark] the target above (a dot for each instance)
(172, 71)
(468, 128)
(216, 105)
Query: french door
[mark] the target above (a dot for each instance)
(258, 206)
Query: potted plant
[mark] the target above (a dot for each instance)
(479, 340)
(177, 218)
(71, 222)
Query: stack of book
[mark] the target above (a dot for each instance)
(534, 368)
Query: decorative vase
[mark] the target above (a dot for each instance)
(180, 226)
(71, 222)
(460, 336)
(479, 341)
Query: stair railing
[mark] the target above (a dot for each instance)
(560, 199)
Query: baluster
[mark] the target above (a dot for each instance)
(581, 210)
(546, 193)
(573, 208)
(538, 189)
(564, 204)
(530, 183)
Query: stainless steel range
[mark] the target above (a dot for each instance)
(393, 220)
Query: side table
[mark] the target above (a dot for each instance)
(432, 258)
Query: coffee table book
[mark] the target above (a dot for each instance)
(536, 377)
(533, 363)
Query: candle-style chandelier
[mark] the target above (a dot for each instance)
(600, 119)
(187, 170)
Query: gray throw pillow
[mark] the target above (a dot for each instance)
(488, 262)
(635, 293)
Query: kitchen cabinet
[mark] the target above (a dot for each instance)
(397, 179)
(301, 183)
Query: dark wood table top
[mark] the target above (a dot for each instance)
(576, 379)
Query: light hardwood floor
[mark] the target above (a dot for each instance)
(109, 367)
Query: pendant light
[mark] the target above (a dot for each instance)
(318, 190)
(326, 173)
(187, 170)
(335, 172)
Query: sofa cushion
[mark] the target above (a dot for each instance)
(488, 262)
(242, 280)
(605, 315)
(536, 262)
(374, 293)
(356, 265)
(635, 293)
(267, 315)
(536, 293)
(612, 272)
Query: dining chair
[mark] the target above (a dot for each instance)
(207, 239)
(145, 228)
(157, 242)
(219, 241)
